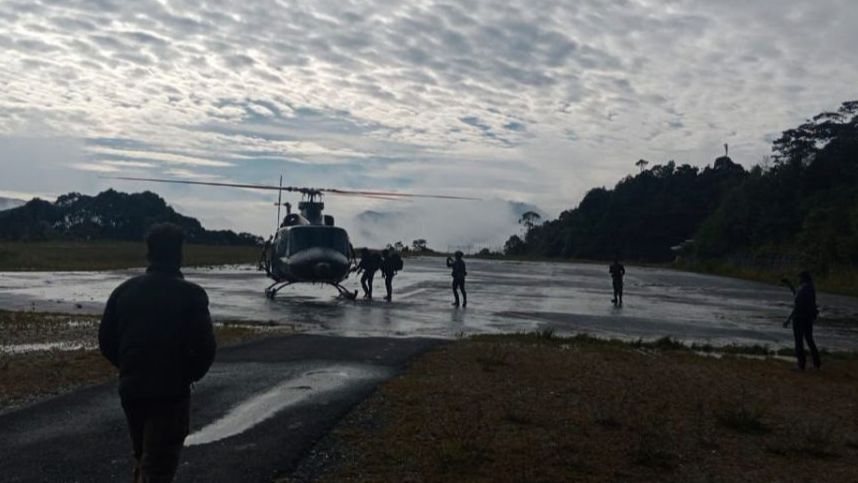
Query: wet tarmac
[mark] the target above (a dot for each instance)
(301, 388)
(504, 297)
(260, 409)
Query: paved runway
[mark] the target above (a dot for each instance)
(257, 413)
(504, 297)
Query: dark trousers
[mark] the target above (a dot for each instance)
(388, 285)
(366, 283)
(618, 290)
(459, 283)
(158, 430)
(803, 331)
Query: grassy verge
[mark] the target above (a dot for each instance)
(539, 408)
(102, 255)
(844, 282)
(27, 376)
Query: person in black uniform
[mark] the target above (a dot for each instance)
(803, 315)
(369, 264)
(157, 331)
(459, 273)
(390, 264)
(617, 271)
(265, 255)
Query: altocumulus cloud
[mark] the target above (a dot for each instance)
(533, 100)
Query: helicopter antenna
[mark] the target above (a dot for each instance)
(279, 199)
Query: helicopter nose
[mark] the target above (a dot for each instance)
(323, 269)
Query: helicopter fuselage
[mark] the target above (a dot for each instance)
(310, 253)
(309, 249)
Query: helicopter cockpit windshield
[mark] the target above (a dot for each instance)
(314, 236)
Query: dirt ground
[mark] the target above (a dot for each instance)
(43, 354)
(539, 408)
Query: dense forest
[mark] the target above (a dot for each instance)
(110, 215)
(800, 207)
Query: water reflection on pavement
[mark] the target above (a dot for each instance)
(504, 297)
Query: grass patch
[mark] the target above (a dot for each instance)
(662, 344)
(811, 437)
(495, 357)
(580, 408)
(742, 415)
(108, 255)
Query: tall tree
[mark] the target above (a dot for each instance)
(529, 219)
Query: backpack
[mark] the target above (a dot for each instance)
(396, 262)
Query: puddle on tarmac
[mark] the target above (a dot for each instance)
(290, 392)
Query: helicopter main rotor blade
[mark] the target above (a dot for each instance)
(373, 197)
(335, 191)
(210, 183)
(308, 191)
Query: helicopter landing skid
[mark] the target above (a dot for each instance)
(344, 292)
(275, 287)
(271, 290)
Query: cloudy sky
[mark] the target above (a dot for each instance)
(524, 100)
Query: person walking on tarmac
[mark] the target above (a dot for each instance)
(157, 330)
(391, 263)
(369, 264)
(803, 315)
(617, 271)
(459, 273)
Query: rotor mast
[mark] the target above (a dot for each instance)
(279, 203)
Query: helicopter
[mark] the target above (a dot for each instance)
(306, 247)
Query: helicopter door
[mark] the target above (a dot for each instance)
(282, 248)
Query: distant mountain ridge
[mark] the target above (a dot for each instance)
(110, 215)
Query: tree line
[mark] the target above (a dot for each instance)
(110, 215)
(800, 203)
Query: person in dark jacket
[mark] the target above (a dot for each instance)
(617, 271)
(369, 264)
(803, 315)
(459, 273)
(157, 330)
(390, 264)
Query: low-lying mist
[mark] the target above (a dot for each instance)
(445, 225)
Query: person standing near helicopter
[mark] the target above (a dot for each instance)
(459, 273)
(391, 263)
(369, 264)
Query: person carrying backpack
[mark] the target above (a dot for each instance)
(391, 263)
(369, 264)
